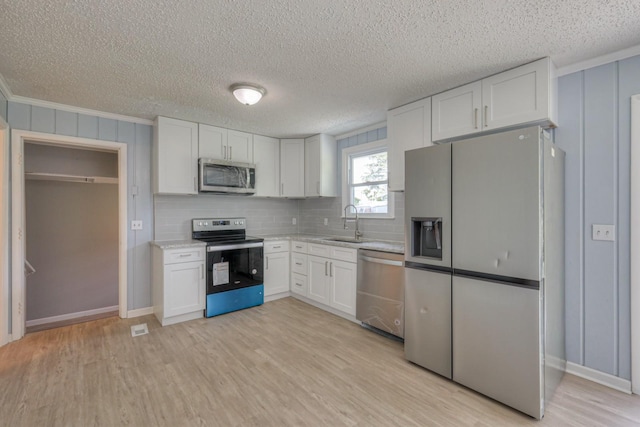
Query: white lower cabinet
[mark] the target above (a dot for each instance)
(332, 279)
(299, 265)
(178, 284)
(276, 267)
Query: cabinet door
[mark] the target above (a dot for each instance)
(516, 96)
(318, 286)
(212, 142)
(240, 147)
(276, 273)
(184, 290)
(292, 167)
(176, 156)
(312, 166)
(457, 112)
(266, 156)
(343, 286)
(299, 284)
(408, 127)
(320, 166)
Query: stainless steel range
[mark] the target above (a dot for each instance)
(234, 264)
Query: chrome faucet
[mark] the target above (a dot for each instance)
(357, 233)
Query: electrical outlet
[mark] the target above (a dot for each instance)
(136, 225)
(603, 232)
(294, 221)
(326, 221)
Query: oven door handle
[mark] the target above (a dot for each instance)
(234, 246)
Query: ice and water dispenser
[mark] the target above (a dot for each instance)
(426, 237)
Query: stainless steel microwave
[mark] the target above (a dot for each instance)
(220, 176)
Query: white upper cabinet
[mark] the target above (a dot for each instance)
(175, 155)
(457, 111)
(212, 142)
(224, 144)
(520, 96)
(292, 167)
(320, 166)
(266, 156)
(240, 147)
(408, 127)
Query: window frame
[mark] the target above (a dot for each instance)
(358, 151)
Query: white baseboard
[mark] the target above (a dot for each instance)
(52, 319)
(140, 312)
(277, 296)
(608, 380)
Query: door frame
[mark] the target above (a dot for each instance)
(635, 244)
(4, 232)
(18, 138)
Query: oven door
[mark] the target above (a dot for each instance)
(234, 266)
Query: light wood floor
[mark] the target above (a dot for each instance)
(281, 364)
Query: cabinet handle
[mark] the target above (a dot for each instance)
(325, 267)
(318, 187)
(230, 153)
(298, 263)
(330, 269)
(298, 284)
(201, 272)
(223, 152)
(185, 255)
(486, 115)
(282, 189)
(475, 118)
(267, 259)
(195, 184)
(276, 247)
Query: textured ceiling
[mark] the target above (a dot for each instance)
(328, 65)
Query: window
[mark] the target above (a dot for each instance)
(365, 180)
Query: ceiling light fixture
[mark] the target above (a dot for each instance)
(247, 94)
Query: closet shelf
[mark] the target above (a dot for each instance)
(70, 178)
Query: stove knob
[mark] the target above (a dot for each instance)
(254, 271)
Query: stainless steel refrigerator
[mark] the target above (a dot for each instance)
(484, 264)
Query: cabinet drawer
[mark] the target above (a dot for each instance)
(300, 247)
(299, 263)
(299, 284)
(344, 254)
(173, 256)
(319, 250)
(276, 246)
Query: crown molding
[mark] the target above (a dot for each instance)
(599, 60)
(4, 88)
(79, 110)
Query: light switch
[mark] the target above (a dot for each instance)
(136, 225)
(603, 232)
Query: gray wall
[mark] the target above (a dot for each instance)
(594, 117)
(265, 216)
(76, 261)
(138, 138)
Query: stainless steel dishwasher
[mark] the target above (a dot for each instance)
(380, 297)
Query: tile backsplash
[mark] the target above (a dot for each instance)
(173, 214)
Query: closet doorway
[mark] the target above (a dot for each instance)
(69, 210)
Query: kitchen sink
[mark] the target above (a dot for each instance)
(344, 239)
